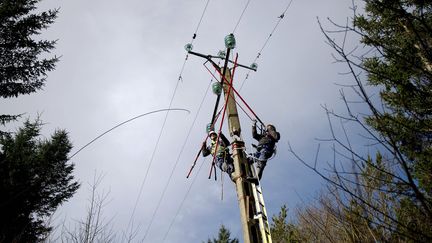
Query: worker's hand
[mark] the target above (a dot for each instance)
(254, 121)
(204, 145)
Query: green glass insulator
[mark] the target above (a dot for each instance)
(254, 66)
(230, 41)
(221, 54)
(217, 88)
(188, 47)
(209, 127)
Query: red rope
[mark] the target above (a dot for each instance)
(235, 91)
(205, 140)
(239, 105)
(223, 114)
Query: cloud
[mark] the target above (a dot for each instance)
(121, 59)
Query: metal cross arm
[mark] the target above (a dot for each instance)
(209, 58)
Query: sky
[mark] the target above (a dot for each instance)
(120, 59)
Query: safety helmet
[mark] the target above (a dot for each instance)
(271, 125)
(212, 132)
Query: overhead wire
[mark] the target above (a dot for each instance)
(280, 17)
(241, 16)
(177, 160)
(183, 200)
(151, 158)
(180, 78)
(122, 123)
(193, 39)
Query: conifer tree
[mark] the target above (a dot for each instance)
(23, 62)
(224, 236)
(35, 178)
(393, 60)
(281, 230)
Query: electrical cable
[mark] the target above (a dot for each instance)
(267, 40)
(183, 200)
(151, 158)
(241, 16)
(120, 124)
(199, 22)
(180, 78)
(176, 162)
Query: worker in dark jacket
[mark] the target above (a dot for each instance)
(266, 146)
(223, 156)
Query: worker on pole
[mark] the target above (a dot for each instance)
(223, 157)
(266, 146)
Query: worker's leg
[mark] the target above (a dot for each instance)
(220, 162)
(260, 167)
(229, 165)
(262, 161)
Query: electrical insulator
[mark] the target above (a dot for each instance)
(209, 127)
(188, 47)
(230, 41)
(254, 66)
(221, 54)
(217, 88)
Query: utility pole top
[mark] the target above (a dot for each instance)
(253, 215)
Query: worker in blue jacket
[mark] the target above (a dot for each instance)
(266, 146)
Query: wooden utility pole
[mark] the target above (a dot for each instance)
(253, 214)
(245, 189)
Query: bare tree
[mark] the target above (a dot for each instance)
(385, 195)
(95, 227)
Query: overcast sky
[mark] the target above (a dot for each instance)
(120, 59)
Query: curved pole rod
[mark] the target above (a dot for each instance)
(120, 124)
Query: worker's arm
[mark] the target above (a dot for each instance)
(254, 133)
(224, 140)
(205, 150)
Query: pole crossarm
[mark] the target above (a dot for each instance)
(209, 58)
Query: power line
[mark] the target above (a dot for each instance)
(280, 17)
(199, 23)
(120, 124)
(152, 157)
(241, 16)
(177, 160)
(165, 119)
(184, 199)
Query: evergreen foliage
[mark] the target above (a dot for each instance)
(23, 65)
(281, 230)
(224, 236)
(35, 178)
(386, 198)
(401, 32)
